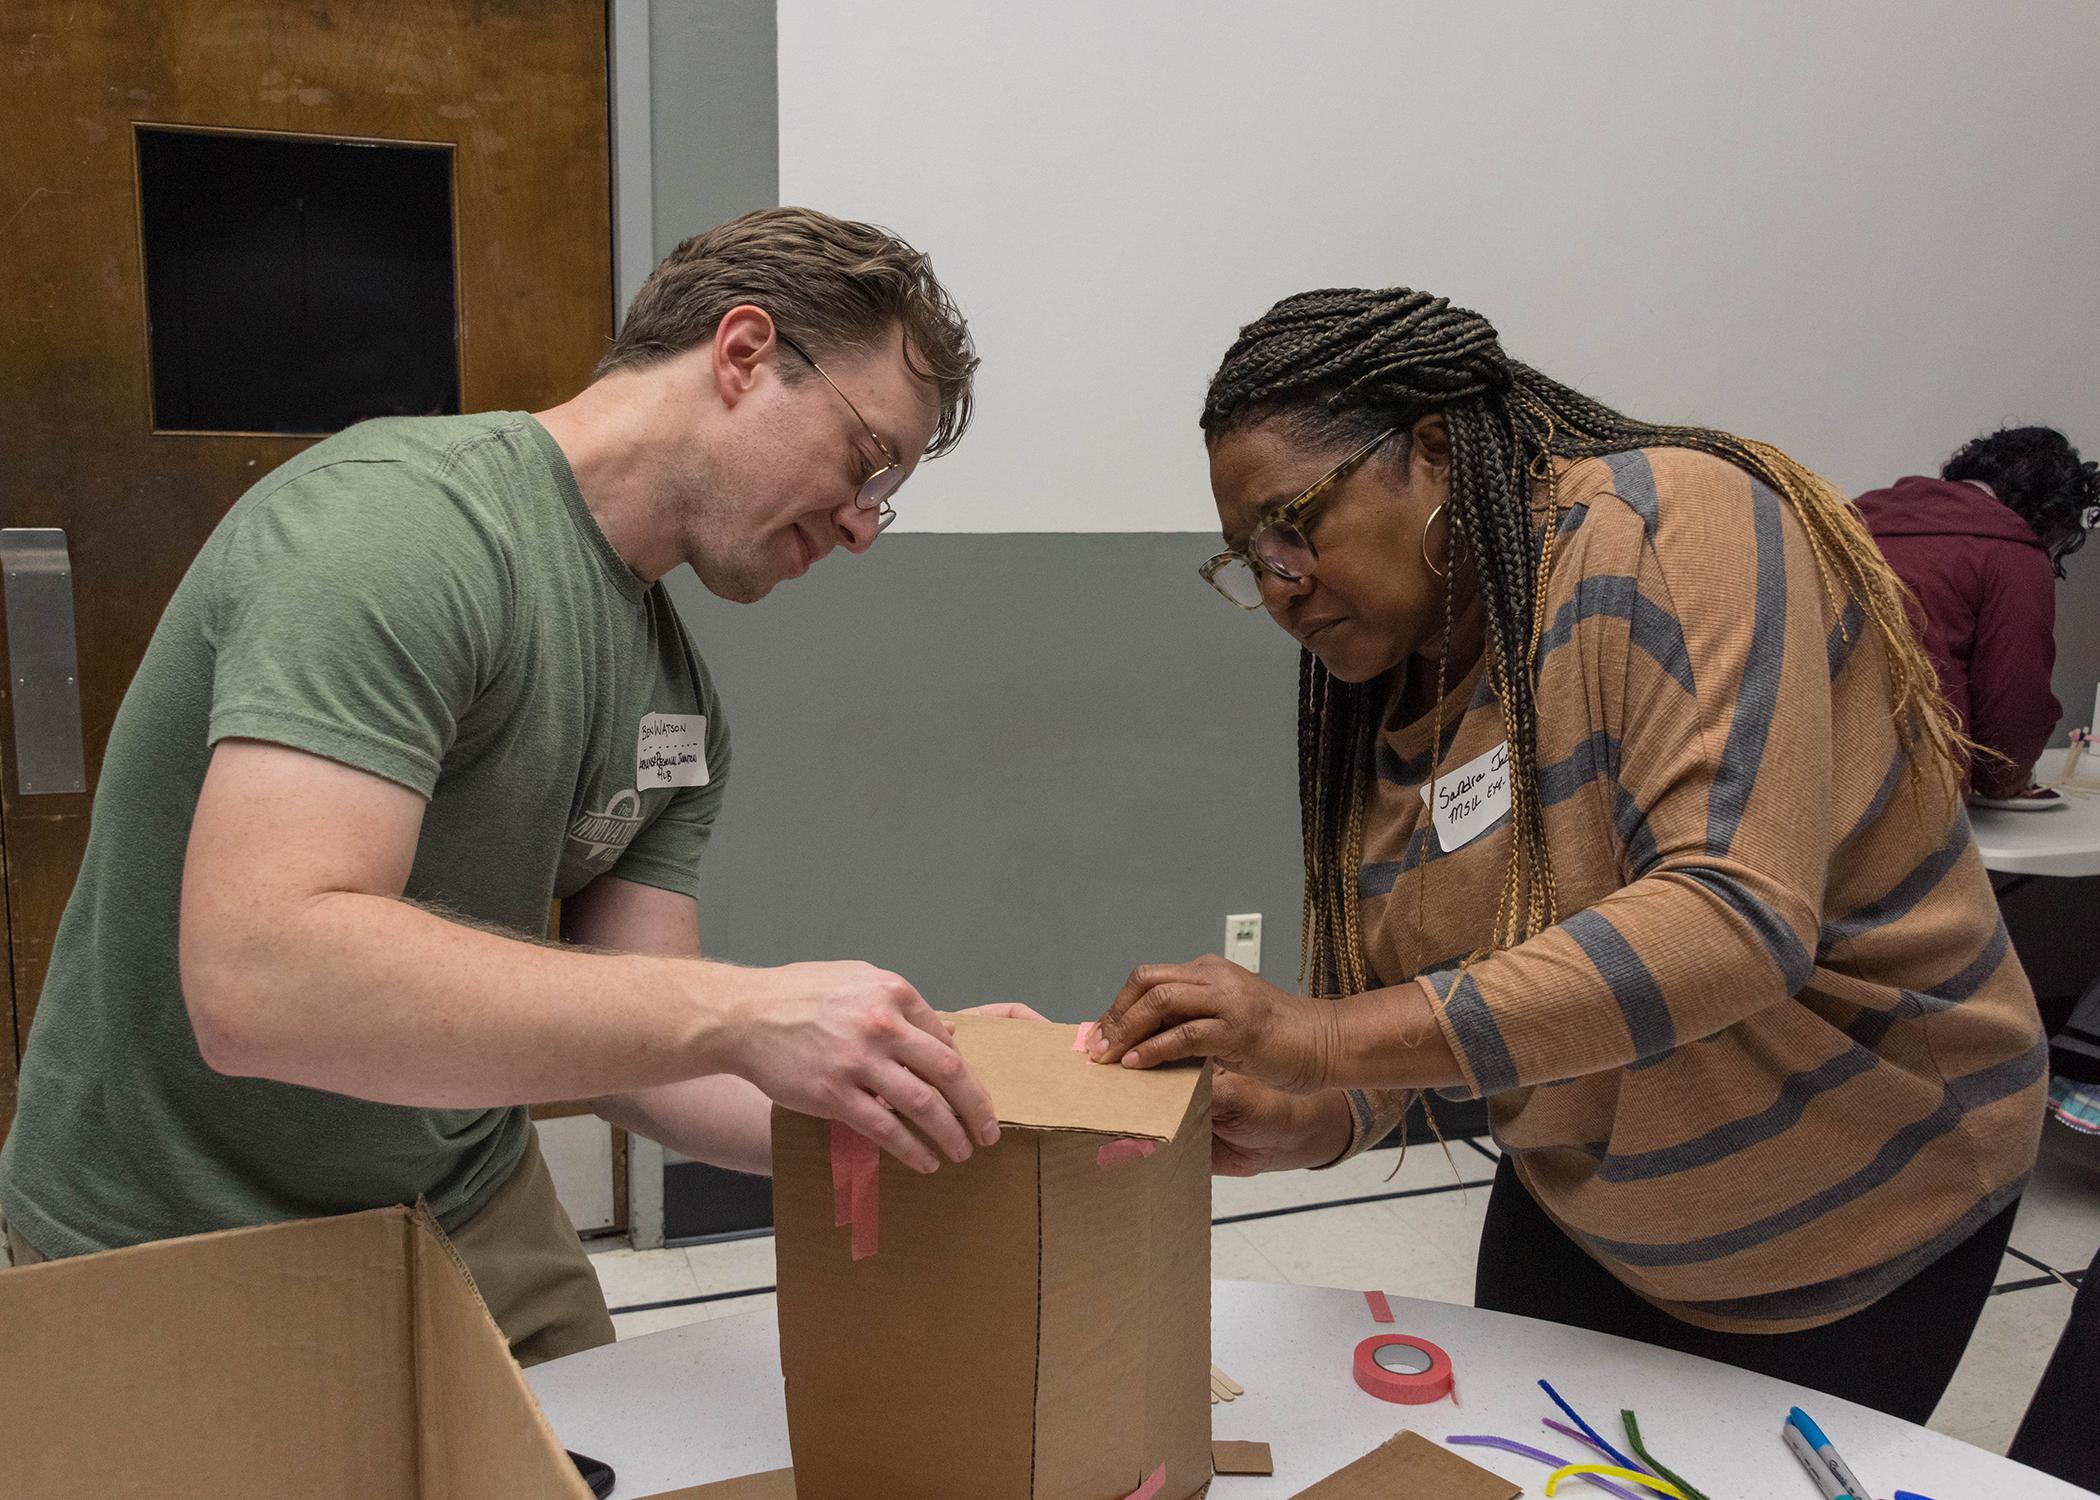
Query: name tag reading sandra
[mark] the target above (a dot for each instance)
(671, 751)
(1469, 800)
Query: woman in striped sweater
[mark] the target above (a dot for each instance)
(1630, 805)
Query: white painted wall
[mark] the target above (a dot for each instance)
(1863, 231)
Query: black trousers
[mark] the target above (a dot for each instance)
(1896, 1355)
(2059, 1435)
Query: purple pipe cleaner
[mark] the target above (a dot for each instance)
(1525, 1450)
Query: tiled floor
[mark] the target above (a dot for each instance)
(1302, 1227)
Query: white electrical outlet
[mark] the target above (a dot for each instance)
(1243, 940)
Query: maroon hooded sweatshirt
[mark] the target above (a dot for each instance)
(1989, 597)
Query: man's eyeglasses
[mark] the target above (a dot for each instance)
(1279, 544)
(881, 483)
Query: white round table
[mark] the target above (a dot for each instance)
(2062, 840)
(703, 1402)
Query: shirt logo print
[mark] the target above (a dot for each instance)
(605, 833)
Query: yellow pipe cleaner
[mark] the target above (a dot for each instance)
(1660, 1486)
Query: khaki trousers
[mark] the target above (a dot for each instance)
(527, 1263)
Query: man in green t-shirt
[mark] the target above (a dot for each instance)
(423, 681)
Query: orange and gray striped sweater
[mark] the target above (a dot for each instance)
(1777, 1055)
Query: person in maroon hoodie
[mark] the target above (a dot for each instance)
(1981, 547)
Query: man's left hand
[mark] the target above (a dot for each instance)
(1212, 1008)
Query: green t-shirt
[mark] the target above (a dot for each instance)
(429, 600)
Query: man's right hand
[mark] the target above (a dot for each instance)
(857, 1044)
(1256, 1128)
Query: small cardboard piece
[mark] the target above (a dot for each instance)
(1034, 1326)
(333, 1359)
(1408, 1464)
(1241, 1458)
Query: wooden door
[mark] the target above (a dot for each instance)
(513, 92)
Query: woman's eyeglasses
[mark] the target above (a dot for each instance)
(1279, 544)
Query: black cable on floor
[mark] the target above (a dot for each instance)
(749, 1291)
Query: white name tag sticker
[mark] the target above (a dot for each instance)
(1470, 800)
(671, 750)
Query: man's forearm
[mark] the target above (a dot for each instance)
(380, 999)
(721, 1120)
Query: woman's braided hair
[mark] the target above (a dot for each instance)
(1332, 367)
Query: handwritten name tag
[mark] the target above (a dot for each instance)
(1470, 800)
(671, 751)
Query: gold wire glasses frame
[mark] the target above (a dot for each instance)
(875, 490)
(1277, 545)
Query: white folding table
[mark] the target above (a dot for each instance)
(704, 1402)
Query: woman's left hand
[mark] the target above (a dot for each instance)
(1212, 1008)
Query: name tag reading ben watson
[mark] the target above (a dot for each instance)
(1470, 800)
(671, 750)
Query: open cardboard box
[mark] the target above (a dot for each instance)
(335, 1359)
(1031, 1325)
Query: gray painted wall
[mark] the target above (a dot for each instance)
(2077, 637)
(1008, 767)
(714, 99)
(695, 124)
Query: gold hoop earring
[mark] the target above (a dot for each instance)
(1426, 525)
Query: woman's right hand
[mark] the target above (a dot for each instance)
(1256, 1128)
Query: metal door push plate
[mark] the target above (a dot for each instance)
(43, 670)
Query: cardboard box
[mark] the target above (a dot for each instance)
(336, 1359)
(1031, 1325)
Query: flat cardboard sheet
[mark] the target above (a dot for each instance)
(1036, 1080)
(1410, 1467)
(1241, 1458)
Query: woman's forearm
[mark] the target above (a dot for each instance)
(1391, 1039)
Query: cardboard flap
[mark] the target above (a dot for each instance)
(1037, 1082)
(1409, 1464)
(332, 1359)
(481, 1434)
(269, 1361)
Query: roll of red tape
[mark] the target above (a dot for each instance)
(1407, 1387)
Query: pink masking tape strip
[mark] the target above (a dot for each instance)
(1086, 1029)
(856, 1176)
(1381, 1310)
(1128, 1148)
(867, 1180)
(1154, 1483)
